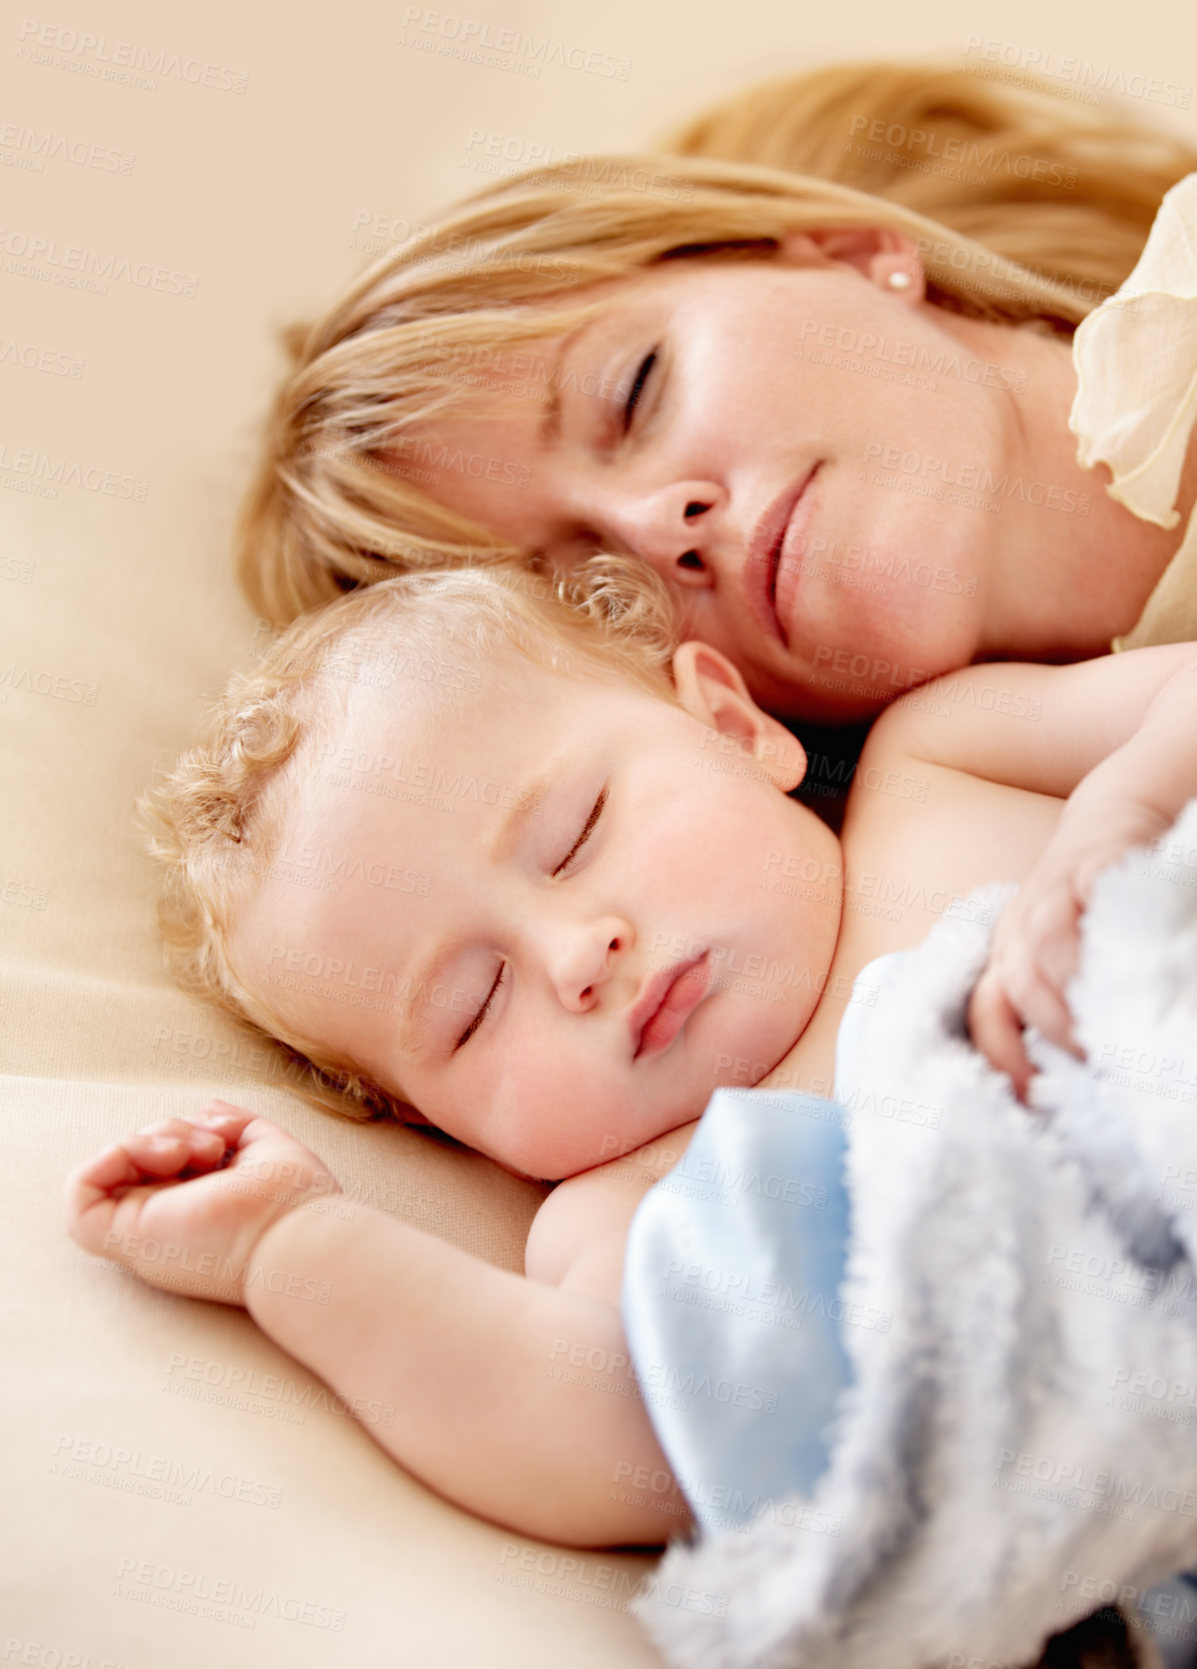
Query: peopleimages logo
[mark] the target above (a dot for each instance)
(81, 268)
(989, 158)
(68, 472)
(31, 357)
(1090, 80)
(27, 147)
(818, 337)
(926, 472)
(193, 1592)
(498, 46)
(121, 61)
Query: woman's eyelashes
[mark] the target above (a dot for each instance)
(633, 400)
(588, 828)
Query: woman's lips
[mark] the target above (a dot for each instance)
(669, 1000)
(774, 557)
(788, 570)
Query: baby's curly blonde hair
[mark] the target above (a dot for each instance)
(215, 823)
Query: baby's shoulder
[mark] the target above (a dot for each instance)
(577, 1236)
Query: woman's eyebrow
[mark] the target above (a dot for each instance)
(549, 430)
(550, 424)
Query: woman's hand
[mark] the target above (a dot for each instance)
(1036, 943)
(183, 1203)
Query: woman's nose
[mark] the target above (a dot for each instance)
(583, 957)
(674, 529)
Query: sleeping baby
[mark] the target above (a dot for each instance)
(466, 850)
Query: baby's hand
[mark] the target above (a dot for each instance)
(184, 1202)
(1036, 943)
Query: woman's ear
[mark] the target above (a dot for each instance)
(879, 254)
(711, 690)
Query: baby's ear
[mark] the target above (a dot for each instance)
(711, 690)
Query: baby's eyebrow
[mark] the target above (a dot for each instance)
(415, 1019)
(525, 802)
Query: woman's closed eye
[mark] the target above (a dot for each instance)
(642, 376)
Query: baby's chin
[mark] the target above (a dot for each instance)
(600, 1135)
(614, 1141)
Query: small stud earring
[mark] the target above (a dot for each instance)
(899, 280)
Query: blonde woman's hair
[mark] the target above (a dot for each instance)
(1014, 162)
(423, 330)
(215, 823)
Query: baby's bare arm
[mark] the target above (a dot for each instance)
(1046, 728)
(474, 1360)
(1118, 738)
(478, 1364)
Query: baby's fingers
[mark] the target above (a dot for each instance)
(229, 1121)
(1042, 1006)
(1035, 980)
(1054, 949)
(996, 1030)
(158, 1153)
(164, 1154)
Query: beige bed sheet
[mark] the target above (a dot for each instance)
(176, 1490)
(176, 184)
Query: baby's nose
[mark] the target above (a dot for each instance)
(587, 964)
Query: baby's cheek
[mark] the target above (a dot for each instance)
(526, 1095)
(565, 1113)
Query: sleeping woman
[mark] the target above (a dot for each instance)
(815, 365)
(827, 400)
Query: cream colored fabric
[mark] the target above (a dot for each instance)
(176, 1489)
(1136, 401)
(178, 183)
(176, 1492)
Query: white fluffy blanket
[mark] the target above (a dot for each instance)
(1021, 1444)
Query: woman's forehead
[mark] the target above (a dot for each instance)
(578, 309)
